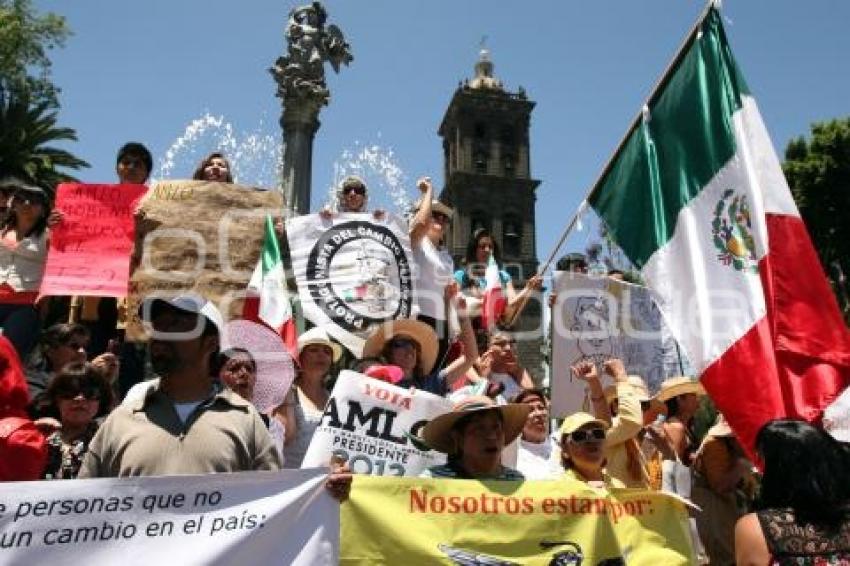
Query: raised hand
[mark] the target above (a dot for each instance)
(585, 371)
(615, 368)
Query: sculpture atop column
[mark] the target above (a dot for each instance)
(300, 77)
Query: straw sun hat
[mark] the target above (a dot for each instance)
(437, 433)
(676, 386)
(417, 331)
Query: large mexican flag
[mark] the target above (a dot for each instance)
(696, 198)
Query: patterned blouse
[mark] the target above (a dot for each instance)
(799, 544)
(64, 460)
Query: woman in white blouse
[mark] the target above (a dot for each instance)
(23, 251)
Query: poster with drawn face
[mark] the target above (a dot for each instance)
(598, 318)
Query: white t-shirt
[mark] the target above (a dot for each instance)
(436, 270)
(536, 461)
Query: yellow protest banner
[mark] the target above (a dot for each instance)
(564, 522)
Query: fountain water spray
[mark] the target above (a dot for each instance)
(255, 155)
(389, 187)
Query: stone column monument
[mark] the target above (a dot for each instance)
(300, 77)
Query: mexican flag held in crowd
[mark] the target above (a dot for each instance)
(696, 198)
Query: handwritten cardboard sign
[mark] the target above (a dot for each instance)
(90, 248)
(201, 237)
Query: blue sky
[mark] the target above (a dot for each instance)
(145, 70)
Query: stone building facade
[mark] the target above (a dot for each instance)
(488, 182)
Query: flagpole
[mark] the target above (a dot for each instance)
(564, 234)
(653, 93)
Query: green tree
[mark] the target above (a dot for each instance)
(26, 132)
(818, 171)
(25, 39)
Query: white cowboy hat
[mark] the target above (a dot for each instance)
(317, 335)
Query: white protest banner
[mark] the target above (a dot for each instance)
(369, 424)
(599, 318)
(353, 272)
(283, 517)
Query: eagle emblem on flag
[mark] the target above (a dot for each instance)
(732, 232)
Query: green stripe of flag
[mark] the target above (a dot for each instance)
(271, 249)
(666, 161)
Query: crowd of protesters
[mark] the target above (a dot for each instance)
(69, 410)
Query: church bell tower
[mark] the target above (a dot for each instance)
(487, 172)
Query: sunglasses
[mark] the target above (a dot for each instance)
(355, 189)
(588, 435)
(504, 343)
(440, 217)
(26, 200)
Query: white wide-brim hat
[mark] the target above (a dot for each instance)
(317, 335)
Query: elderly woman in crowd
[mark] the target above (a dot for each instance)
(23, 251)
(77, 396)
(583, 450)
(435, 281)
(536, 454)
(620, 406)
(412, 346)
(238, 372)
(214, 167)
(473, 436)
(804, 503)
(306, 401)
